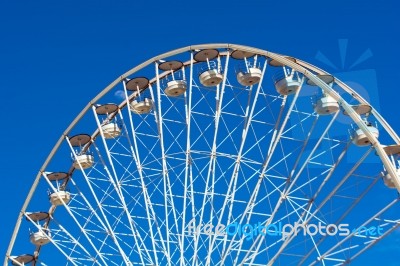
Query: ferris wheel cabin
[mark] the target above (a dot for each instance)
(40, 238)
(288, 81)
(248, 73)
(140, 104)
(249, 77)
(82, 158)
(359, 138)
(59, 197)
(324, 103)
(210, 74)
(109, 127)
(175, 86)
(141, 107)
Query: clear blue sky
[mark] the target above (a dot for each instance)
(55, 56)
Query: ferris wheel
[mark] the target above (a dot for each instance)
(215, 154)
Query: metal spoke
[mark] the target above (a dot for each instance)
(117, 185)
(148, 205)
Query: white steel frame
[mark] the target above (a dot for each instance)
(163, 237)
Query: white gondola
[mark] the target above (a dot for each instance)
(176, 84)
(111, 130)
(211, 77)
(287, 84)
(175, 88)
(248, 72)
(288, 81)
(81, 157)
(325, 105)
(83, 160)
(250, 76)
(141, 107)
(57, 198)
(141, 104)
(359, 138)
(109, 127)
(40, 238)
(210, 74)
